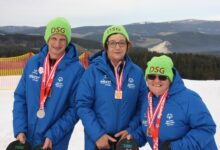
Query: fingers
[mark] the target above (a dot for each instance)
(47, 144)
(111, 139)
(103, 142)
(122, 134)
(21, 137)
(119, 134)
(129, 137)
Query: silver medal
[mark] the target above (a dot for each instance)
(40, 113)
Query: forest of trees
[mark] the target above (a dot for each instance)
(190, 66)
(18, 44)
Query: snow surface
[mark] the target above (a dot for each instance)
(208, 90)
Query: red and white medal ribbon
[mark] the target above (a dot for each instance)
(47, 80)
(119, 79)
(151, 115)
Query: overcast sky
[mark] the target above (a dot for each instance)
(105, 12)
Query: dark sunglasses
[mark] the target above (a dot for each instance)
(160, 77)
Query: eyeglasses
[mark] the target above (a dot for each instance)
(113, 44)
(160, 77)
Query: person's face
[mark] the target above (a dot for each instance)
(116, 48)
(158, 86)
(57, 45)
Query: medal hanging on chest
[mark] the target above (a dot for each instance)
(40, 113)
(118, 94)
(119, 78)
(149, 132)
(47, 80)
(50, 93)
(153, 130)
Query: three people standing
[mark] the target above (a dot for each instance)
(112, 98)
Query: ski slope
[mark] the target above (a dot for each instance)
(208, 90)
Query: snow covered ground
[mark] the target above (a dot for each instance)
(208, 90)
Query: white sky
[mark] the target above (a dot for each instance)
(105, 12)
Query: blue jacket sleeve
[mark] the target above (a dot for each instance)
(68, 120)
(20, 107)
(139, 136)
(85, 100)
(136, 120)
(202, 126)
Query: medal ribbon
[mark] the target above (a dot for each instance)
(119, 78)
(47, 79)
(154, 130)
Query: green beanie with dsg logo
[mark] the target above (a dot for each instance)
(161, 65)
(113, 30)
(58, 25)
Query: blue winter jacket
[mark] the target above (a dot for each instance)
(60, 110)
(97, 107)
(185, 121)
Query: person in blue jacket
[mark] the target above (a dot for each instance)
(44, 110)
(110, 92)
(173, 117)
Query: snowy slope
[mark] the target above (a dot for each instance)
(208, 90)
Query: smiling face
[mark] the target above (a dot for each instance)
(57, 45)
(117, 47)
(157, 86)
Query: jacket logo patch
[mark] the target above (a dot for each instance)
(169, 120)
(105, 81)
(34, 76)
(144, 121)
(131, 84)
(59, 83)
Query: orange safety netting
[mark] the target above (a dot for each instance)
(13, 65)
(84, 59)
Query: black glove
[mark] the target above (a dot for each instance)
(166, 145)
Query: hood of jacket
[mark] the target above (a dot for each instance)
(177, 85)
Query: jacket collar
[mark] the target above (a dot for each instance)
(70, 56)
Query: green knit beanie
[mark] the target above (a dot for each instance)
(58, 25)
(161, 65)
(112, 30)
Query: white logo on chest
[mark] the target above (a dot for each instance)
(131, 84)
(105, 81)
(59, 83)
(34, 76)
(169, 120)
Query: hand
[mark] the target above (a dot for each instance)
(129, 137)
(122, 134)
(21, 137)
(103, 141)
(47, 144)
